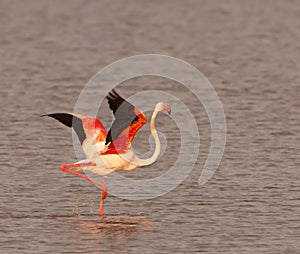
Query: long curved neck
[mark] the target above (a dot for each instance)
(153, 158)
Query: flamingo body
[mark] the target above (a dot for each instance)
(109, 152)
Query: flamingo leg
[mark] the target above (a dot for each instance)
(65, 168)
(103, 196)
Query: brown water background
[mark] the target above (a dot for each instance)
(250, 52)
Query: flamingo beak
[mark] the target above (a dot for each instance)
(168, 108)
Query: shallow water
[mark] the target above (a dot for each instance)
(249, 51)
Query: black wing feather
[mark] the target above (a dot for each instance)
(70, 121)
(124, 115)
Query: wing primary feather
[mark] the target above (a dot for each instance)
(70, 121)
(124, 113)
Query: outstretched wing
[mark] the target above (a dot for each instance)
(84, 126)
(128, 120)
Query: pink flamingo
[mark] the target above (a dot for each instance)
(109, 152)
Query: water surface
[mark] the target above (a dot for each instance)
(250, 53)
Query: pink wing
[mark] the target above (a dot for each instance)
(84, 126)
(123, 142)
(128, 121)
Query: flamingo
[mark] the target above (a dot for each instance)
(112, 151)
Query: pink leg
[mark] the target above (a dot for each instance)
(64, 167)
(103, 196)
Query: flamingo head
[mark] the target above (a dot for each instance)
(163, 106)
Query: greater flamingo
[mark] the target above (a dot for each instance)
(109, 152)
